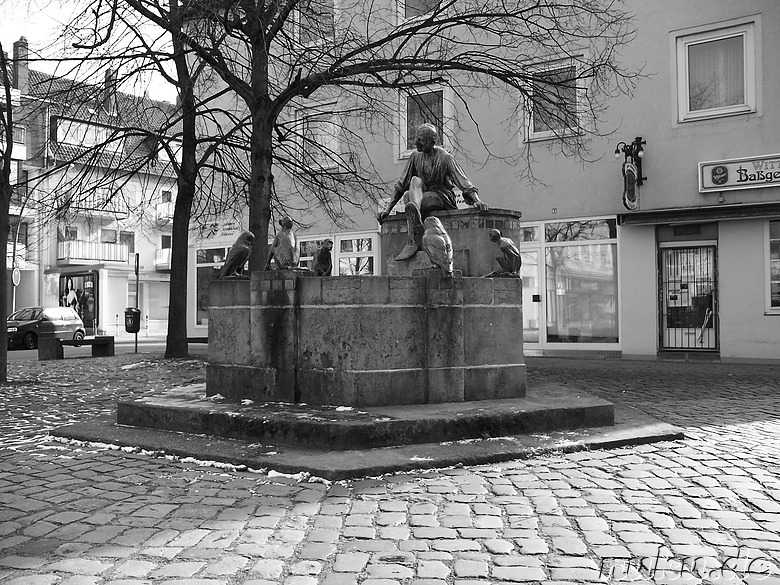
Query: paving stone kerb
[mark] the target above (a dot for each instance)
(365, 340)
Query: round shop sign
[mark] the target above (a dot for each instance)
(16, 276)
(720, 175)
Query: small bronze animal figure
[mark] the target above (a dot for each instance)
(510, 261)
(323, 261)
(284, 250)
(237, 256)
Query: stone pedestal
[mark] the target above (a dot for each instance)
(473, 252)
(366, 340)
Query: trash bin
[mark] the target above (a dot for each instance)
(132, 320)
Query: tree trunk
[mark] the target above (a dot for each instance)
(176, 341)
(5, 202)
(260, 188)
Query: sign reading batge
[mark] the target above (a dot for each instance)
(739, 173)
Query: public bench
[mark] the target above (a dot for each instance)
(50, 348)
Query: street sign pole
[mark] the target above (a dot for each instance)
(137, 295)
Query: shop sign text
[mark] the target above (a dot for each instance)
(739, 173)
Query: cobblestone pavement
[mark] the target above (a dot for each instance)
(701, 510)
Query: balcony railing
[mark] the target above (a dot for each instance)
(100, 202)
(163, 212)
(162, 260)
(81, 252)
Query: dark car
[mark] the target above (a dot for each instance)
(26, 325)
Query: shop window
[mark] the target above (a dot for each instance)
(306, 249)
(352, 254)
(581, 281)
(208, 261)
(553, 108)
(356, 256)
(774, 266)
(716, 72)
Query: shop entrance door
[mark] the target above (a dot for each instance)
(688, 298)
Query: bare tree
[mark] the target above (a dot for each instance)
(122, 48)
(7, 144)
(274, 56)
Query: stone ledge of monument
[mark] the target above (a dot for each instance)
(229, 292)
(478, 291)
(467, 214)
(406, 291)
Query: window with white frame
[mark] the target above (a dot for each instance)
(430, 105)
(353, 254)
(315, 22)
(319, 135)
(716, 72)
(356, 255)
(306, 250)
(774, 266)
(553, 103)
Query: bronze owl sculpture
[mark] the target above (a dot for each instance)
(437, 244)
(237, 256)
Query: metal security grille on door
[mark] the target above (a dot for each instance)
(689, 315)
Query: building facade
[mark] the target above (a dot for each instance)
(666, 239)
(95, 203)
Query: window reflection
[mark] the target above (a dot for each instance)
(573, 231)
(582, 292)
(356, 266)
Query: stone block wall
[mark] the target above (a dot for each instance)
(473, 252)
(366, 340)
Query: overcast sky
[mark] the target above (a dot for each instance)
(40, 21)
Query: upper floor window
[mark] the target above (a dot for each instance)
(430, 105)
(86, 134)
(315, 21)
(553, 109)
(165, 196)
(774, 266)
(716, 72)
(18, 134)
(128, 239)
(414, 8)
(319, 136)
(108, 236)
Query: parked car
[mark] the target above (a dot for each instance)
(27, 325)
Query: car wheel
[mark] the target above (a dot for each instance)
(30, 341)
(78, 336)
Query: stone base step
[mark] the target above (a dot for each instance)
(188, 410)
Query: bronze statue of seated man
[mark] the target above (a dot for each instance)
(427, 185)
